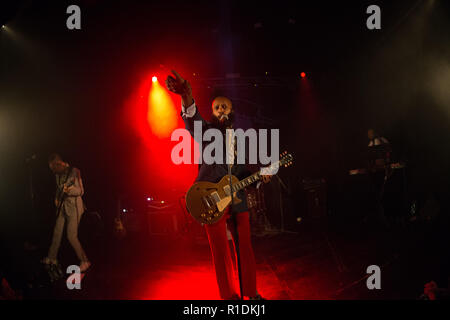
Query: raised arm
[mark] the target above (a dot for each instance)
(189, 111)
(181, 87)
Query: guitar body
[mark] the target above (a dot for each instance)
(207, 201)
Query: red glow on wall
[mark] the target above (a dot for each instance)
(153, 114)
(161, 114)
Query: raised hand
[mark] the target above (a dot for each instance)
(177, 84)
(180, 86)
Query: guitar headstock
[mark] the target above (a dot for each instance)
(286, 159)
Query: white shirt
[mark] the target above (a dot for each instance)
(378, 141)
(188, 112)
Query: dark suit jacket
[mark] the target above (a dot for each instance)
(215, 172)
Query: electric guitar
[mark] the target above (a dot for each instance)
(207, 201)
(61, 195)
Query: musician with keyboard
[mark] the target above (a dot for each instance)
(379, 156)
(385, 202)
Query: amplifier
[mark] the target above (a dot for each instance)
(163, 222)
(315, 195)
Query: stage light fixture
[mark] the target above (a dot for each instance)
(302, 74)
(154, 79)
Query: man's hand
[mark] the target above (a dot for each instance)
(67, 189)
(57, 203)
(180, 86)
(266, 179)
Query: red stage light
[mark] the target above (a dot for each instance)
(154, 113)
(302, 74)
(161, 114)
(154, 79)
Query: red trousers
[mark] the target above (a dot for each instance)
(223, 263)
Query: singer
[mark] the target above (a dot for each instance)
(222, 119)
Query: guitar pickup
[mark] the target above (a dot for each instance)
(215, 197)
(210, 202)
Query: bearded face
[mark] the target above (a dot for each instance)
(224, 122)
(222, 113)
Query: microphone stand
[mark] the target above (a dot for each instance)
(234, 221)
(29, 162)
(283, 186)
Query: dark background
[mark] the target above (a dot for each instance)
(65, 91)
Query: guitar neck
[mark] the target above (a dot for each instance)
(257, 176)
(247, 181)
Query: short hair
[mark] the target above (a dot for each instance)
(54, 156)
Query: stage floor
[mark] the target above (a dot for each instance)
(321, 261)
